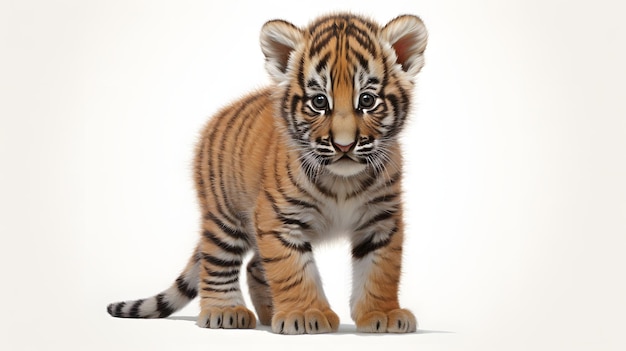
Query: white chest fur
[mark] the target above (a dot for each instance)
(339, 218)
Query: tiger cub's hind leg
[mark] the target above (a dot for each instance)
(221, 252)
(259, 290)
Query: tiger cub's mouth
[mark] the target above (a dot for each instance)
(346, 157)
(346, 165)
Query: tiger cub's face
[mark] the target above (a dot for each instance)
(344, 87)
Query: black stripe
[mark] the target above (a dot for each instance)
(117, 311)
(383, 198)
(211, 282)
(295, 100)
(313, 180)
(362, 61)
(292, 179)
(235, 250)
(220, 290)
(282, 192)
(370, 25)
(220, 262)
(373, 81)
(324, 151)
(232, 232)
(284, 112)
(275, 259)
(184, 288)
(134, 309)
(297, 202)
(119, 307)
(284, 217)
(292, 221)
(363, 249)
(366, 150)
(322, 64)
(382, 216)
(363, 187)
(322, 40)
(285, 280)
(301, 248)
(312, 83)
(376, 297)
(385, 71)
(258, 280)
(398, 114)
(337, 74)
(401, 114)
(394, 178)
(297, 298)
(251, 273)
(363, 38)
(292, 285)
(277, 176)
(110, 309)
(163, 307)
(393, 100)
(323, 141)
(323, 190)
(255, 263)
(222, 274)
(295, 129)
(301, 72)
(196, 256)
(198, 171)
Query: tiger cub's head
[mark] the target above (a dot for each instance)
(344, 87)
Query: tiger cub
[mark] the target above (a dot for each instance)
(313, 156)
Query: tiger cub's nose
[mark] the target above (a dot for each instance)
(343, 148)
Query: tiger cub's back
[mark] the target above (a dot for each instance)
(230, 153)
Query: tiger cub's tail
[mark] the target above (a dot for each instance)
(184, 289)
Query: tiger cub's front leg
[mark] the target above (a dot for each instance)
(377, 260)
(299, 303)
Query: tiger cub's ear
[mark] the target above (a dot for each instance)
(407, 36)
(278, 40)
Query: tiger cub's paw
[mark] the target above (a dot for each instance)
(394, 321)
(311, 321)
(237, 317)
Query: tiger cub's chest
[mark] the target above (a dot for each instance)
(350, 207)
(340, 217)
(335, 219)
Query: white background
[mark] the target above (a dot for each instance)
(515, 168)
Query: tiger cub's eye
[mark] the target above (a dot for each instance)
(366, 100)
(320, 102)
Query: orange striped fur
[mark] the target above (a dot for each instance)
(312, 157)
